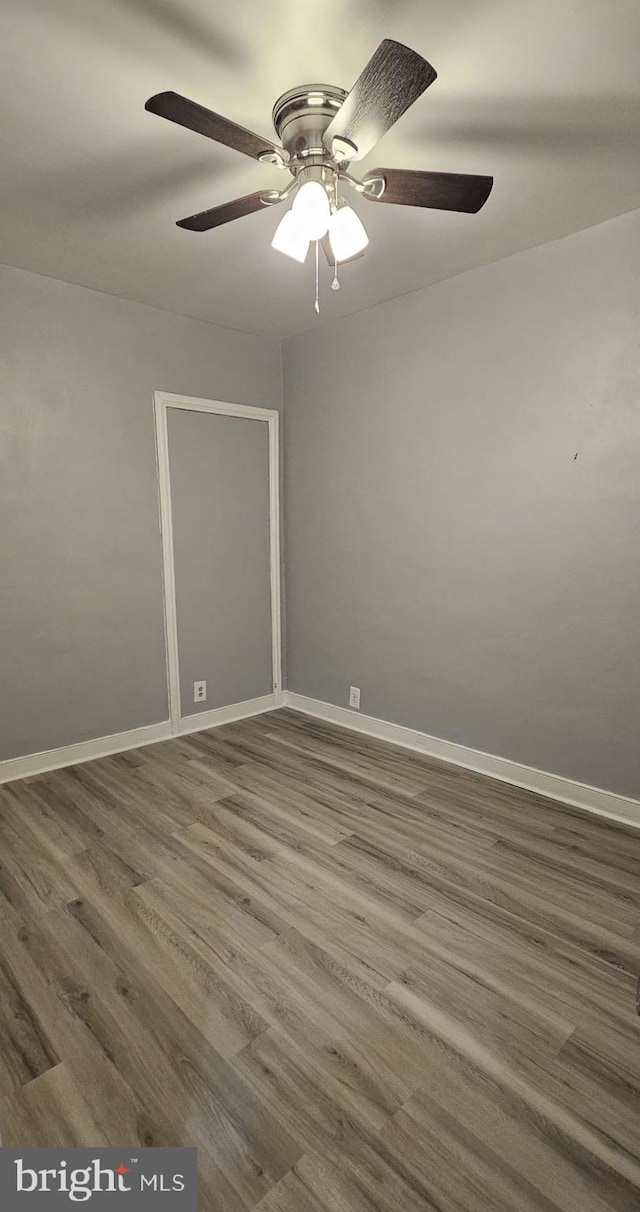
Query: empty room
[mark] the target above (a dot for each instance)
(320, 606)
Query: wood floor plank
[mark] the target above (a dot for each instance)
(35, 873)
(357, 978)
(463, 1171)
(54, 1106)
(555, 1148)
(126, 924)
(122, 1116)
(532, 962)
(161, 1052)
(27, 1050)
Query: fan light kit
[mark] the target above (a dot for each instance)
(322, 129)
(311, 217)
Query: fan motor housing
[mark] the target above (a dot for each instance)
(302, 115)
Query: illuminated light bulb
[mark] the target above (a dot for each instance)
(346, 233)
(290, 239)
(312, 210)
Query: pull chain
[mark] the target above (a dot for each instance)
(317, 302)
(335, 285)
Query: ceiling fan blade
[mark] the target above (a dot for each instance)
(439, 191)
(392, 80)
(206, 219)
(195, 117)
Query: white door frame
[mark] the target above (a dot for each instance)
(164, 400)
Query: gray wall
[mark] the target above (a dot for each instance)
(81, 620)
(219, 471)
(446, 549)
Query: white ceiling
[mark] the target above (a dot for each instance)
(543, 94)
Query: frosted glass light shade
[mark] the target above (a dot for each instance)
(346, 233)
(312, 210)
(290, 238)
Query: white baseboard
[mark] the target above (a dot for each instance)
(103, 746)
(83, 751)
(554, 786)
(227, 715)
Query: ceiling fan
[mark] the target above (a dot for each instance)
(322, 129)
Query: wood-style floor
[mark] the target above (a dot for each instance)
(356, 978)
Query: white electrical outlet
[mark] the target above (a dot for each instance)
(199, 692)
(354, 697)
